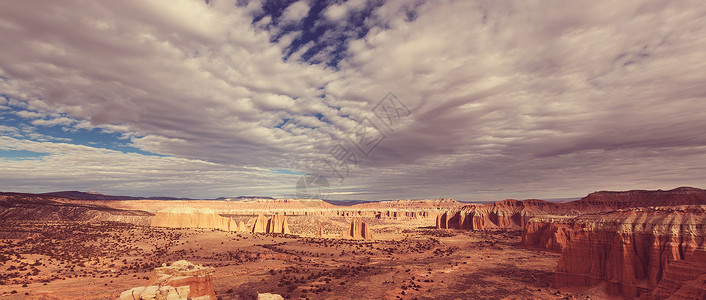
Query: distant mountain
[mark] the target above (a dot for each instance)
(347, 202)
(97, 196)
(20, 206)
(242, 198)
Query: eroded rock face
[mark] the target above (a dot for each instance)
(683, 279)
(180, 280)
(275, 224)
(199, 279)
(628, 249)
(358, 230)
(187, 217)
(278, 224)
(259, 225)
(507, 214)
(514, 215)
(549, 233)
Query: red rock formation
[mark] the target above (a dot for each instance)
(259, 225)
(397, 209)
(628, 249)
(320, 232)
(358, 230)
(550, 233)
(278, 224)
(275, 224)
(507, 214)
(513, 214)
(683, 279)
(187, 217)
(180, 280)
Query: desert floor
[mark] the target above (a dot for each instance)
(408, 260)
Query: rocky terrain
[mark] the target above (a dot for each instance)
(513, 214)
(634, 244)
(18, 206)
(625, 240)
(397, 209)
(629, 249)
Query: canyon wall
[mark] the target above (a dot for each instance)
(514, 214)
(683, 279)
(636, 241)
(187, 217)
(274, 224)
(507, 214)
(627, 249)
(396, 209)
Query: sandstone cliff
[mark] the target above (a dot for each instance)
(187, 217)
(683, 279)
(628, 249)
(514, 215)
(259, 225)
(507, 214)
(275, 224)
(358, 230)
(278, 224)
(397, 209)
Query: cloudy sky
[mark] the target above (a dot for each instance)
(472, 100)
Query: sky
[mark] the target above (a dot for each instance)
(471, 100)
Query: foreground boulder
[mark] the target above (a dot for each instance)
(180, 280)
(156, 292)
(268, 296)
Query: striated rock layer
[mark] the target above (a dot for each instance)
(507, 214)
(514, 215)
(683, 279)
(629, 249)
(396, 209)
(187, 217)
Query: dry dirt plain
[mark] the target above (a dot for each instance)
(408, 260)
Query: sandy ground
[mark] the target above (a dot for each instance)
(408, 260)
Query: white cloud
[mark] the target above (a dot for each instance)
(9, 129)
(524, 97)
(67, 166)
(29, 114)
(337, 13)
(295, 12)
(53, 122)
